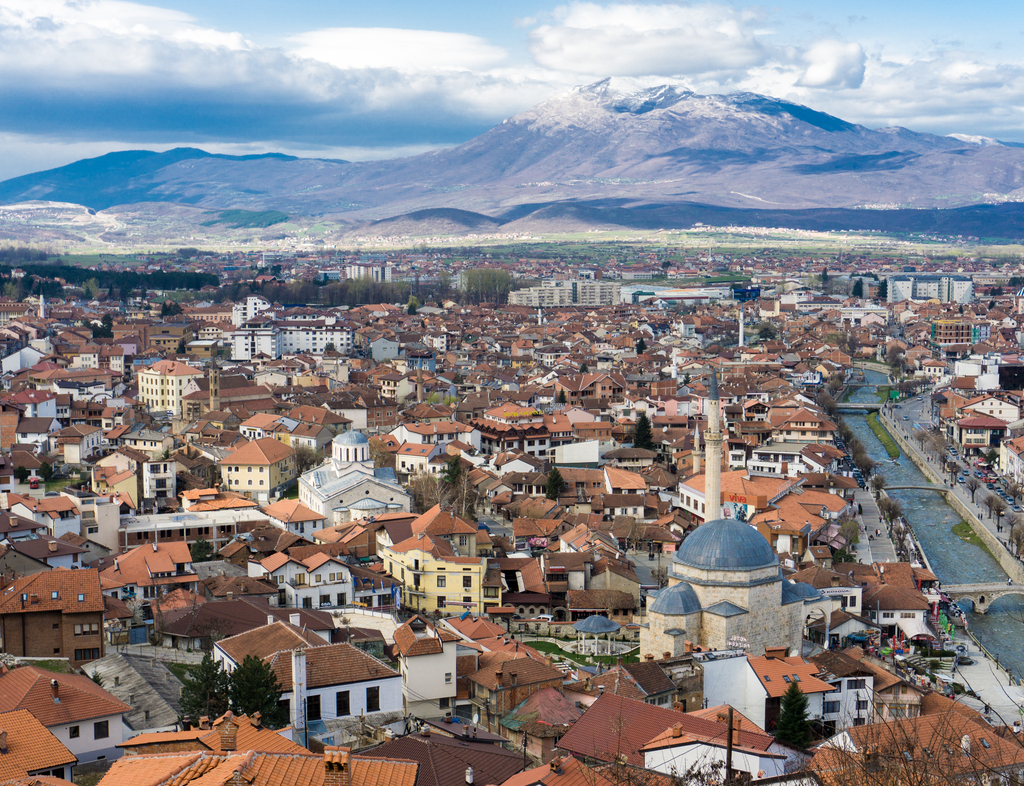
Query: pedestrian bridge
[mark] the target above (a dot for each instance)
(858, 407)
(940, 489)
(981, 595)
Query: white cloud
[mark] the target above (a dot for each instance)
(404, 50)
(639, 40)
(834, 64)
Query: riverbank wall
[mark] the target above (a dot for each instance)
(1006, 561)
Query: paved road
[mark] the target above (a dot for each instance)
(880, 548)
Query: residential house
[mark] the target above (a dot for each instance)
(260, 470)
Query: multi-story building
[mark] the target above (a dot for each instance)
(262, 469)
(427, 661)
(945, 288)
(161, 385)
(58, 613)
(552, 294)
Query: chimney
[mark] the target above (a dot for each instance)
(228, 732)
(3, 741)
(469, 775)
(336, 766)
(687, 646)
(424, 730)
(270, 619)
(34, 599)
(257, 719)
(117, 568)
(649, 657)
(678, 706)
(204, 722)
(735, 731)
(513, 679)
(776, 653)
(52, 546)
(154, 547)
(666, 655)
(295, 618)
(965, 744)
(677, 730)
(298, 702)
(55, 691)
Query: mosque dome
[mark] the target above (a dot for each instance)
(798, 589)
(726, 544)
(675, 600)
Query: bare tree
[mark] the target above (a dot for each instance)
(427, 491)
(1013, 489)
(972, 484)
(998, 508)
(878, 483)
(1016, 533)
(990, 502)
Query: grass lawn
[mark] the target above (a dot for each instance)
(292, 493)
(180, 670)
(554, 649)
(966, 533)
(58, 666)
(883, 436)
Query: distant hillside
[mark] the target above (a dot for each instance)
(595, 156)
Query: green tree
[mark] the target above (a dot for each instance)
(452, 470)
(642, 436)
(181, 347)
(21, 473)
(414, 304)
(205, 691)
(91, 288)
(584, 368)
(883, 289)
(641, 346)
(556, 484)
(766, 332)
(858, 288)
(794, 726)
(170, 308)
(11, 290)
(253, 687)
(306, 458)
(202, 551)
(46, 471)
(330, 347)
(561, 397)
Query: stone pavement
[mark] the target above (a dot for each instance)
(880, 549)
(991, 683)
(160, 653)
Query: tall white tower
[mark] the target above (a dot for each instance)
(713, 438)
(741, 326)
(42, 306)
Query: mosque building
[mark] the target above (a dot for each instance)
(725, 584)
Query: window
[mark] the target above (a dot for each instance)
(467, 599)
(441, 582)
(447, 678)
(907, 615)
(54, 595)
(100, 730)
(74, 732)
(862, 704)
(81, 597)
(855, 684)
(373, 699)
(313, 708)
(830, 707)
(467, 582)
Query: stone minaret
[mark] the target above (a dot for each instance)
(713, 438)
(696, 451)
(741, 326)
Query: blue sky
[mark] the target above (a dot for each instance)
(342, 79)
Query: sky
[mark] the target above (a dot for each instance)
(340, 79)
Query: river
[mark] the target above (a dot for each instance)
(952, 560)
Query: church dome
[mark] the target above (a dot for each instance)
(726, 544)
(351, 438)
(675, 600)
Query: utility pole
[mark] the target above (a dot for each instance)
(728, 752)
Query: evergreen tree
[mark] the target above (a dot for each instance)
(205, 690)
(201, 550)
(883, 289)
(254, 688)
(641, 346)
(561, 397)
(556, 484)
(584, 369)
(794, 726)
(643, 438)
(858, 288)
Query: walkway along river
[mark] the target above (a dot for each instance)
(1001, 630)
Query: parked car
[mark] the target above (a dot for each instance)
(33, 482)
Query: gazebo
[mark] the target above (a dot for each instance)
(595, 625)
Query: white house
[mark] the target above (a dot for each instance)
(320, 581)
(427, 657)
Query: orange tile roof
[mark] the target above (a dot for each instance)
(69, 586)
(289, 510)
(28, 688)
(776, 675)
(266, 640)
(30, 747)
(260, 451)
(333, 664)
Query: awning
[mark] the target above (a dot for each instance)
(915, 629)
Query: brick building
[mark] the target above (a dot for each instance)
(58, 613)
(499, 688)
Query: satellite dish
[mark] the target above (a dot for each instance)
(476, 718)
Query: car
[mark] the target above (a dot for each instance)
(1017, 509)
(546, 617)
(906, 417)
(33, 482)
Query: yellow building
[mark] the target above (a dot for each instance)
(161, 385)
(439, 567)
(259, 470)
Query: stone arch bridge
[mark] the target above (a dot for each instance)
(981, 595)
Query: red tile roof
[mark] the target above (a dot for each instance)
(29, 688)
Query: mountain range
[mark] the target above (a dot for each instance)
(593, 156)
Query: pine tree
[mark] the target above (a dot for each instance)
(794, 726)
(205, 690)
(201, 550)
(561, 397)
(254, 688)
(642, 437)
(584, 369)
(641, 346)
(556, 484)
(858, 288)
